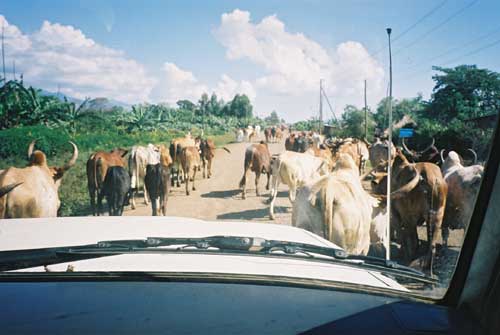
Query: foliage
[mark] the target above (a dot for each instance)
(273, 119)
(353, 123)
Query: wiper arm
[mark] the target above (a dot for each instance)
(10, 260)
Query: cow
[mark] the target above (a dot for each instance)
(258, 160)
(268, 134)
(323, 153)
(294, 169)
(463, 185)
(157, 181)
(279, 135)
(207, 152)
(290, 141)
(139, 158)
(116, 189)
(257, 131)
(249, 133)
(190, 162)
(378, 154)
(273, 134)
(97, 167)
(337, 208)
(429, 154)
(297, 142)
(239, 135)
(32, 191)
(419, 196)
(176, 146)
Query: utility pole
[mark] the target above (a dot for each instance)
(3, 57)
(389, 160)
(320, 121)
(366, 116)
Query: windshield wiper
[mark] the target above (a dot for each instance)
(232, 245)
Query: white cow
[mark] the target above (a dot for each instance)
(139, 158)
(257, 131)
(294, 169)
(239, 135)
(337, 207)
(463, 185)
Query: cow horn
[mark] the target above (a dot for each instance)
(30, 148)
(403, 190)
(441, 154)
(7, 188)
(430, 146)
(72, 161)
(406, 148)
(475, 156)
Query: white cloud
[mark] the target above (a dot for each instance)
(60, 55)
(294, 63)
(177, 84)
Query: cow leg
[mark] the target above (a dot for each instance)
(132, 198)
(186, 173)
(257, 177)
(268, 178)
(243, 184)
(146, 195)
(99, 202)
(209, 168)
(154, 208)
(194, 176)
(274, 193)
(204, 164)
(92, 195)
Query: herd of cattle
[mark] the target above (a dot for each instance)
(326, 179)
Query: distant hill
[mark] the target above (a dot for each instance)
(101, 103)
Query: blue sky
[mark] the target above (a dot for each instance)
(274, 51)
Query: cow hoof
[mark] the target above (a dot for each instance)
(243, 196)
(194, 189)
(209, 176)
(133, 206)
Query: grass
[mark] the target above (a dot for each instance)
(73, 192)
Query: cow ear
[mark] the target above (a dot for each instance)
(125, 152)
(57, 172)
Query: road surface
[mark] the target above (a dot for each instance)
(219, 198)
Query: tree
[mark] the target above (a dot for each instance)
(460, 95)
(187, 105)
(241, 106)
(353, 122)
(272, 119)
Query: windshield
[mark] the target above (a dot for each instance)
(367, 125)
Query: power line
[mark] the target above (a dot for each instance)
(458, 47)
(473, 52)
(429, 13)
(439, 25)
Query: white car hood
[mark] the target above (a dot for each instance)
(18, 234)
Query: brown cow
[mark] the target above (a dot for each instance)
(279, 135)
(97, 166)
(190, 162)
(419, 196)
(32, 192)
(268, 134)
(176, 146)
(207, 150)
(258, 160)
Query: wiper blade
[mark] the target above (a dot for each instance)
(10, 260)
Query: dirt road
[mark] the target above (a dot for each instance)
(219, 198)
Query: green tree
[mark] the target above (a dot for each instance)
(461, 94)
(272, 119)
(187, 105)
(353, 122)
(241, 106)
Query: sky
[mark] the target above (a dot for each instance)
(274, 51)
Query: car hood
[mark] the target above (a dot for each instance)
(19, 234)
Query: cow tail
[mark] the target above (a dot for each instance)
(248, 161)
(95, 172)
(328, 198)
(137, 166)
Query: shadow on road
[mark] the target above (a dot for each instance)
(221, 194)
(251, 214)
